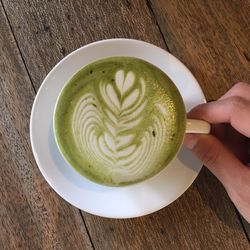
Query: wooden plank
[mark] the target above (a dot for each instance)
(212, 39)
(45, 32)
(31, 215)
(49, 30)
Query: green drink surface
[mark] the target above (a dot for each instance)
(119, 120)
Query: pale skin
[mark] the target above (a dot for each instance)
(226, 151)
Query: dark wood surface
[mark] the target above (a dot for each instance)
(210, 37)
(32, 215)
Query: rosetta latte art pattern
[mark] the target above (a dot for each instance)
(106, 134)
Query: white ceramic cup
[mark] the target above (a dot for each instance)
(184, 126)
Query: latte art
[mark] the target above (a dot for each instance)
(111, 141)
(119, 122)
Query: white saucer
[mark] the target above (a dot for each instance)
(122, 202)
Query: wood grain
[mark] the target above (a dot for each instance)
(197, 220)
(211, 38)
(48, 30)
(32, 216)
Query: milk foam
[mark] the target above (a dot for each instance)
(112, 141)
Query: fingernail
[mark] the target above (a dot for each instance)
(190, 140)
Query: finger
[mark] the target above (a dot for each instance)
(233, 140)
(219, 131)
(248, 151)
(234, 110)
(233, 136)
(237, 144)
(220, 161)
(241, 89)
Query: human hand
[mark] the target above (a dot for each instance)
(226, 151)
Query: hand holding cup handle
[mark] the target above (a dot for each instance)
(226, 150)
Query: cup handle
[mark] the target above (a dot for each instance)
(197, 126)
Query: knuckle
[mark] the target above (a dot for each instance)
(239, 87)
(207, 154)
(237, 103)
(210, 157)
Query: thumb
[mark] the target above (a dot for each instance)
(216, 157)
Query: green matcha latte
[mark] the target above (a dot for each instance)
(119, 121)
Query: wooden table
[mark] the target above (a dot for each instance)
(211, 37)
